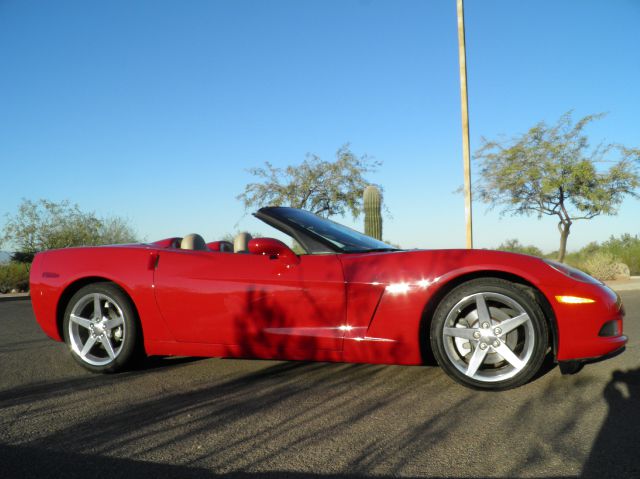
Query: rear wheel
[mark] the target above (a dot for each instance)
(489, 334)
(101, 328)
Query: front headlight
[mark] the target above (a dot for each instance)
(573, 273)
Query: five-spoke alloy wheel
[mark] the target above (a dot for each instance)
(489, 334)
(100, 328)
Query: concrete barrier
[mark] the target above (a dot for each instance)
(14, 297)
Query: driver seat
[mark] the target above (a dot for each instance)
(241, 243)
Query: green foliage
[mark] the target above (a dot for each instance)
(116, 230)
(552, 170)
(601, 260)
(43, 225)
(514, 246)
(372, 202)
(601, 265)
(627, 249)
(296, 248)
(323, 187)
(14, 275)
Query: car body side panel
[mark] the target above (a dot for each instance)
(131, 268)
(404, 283)
(409, 281)
(256, 305)
(44, 297)
(181, 348)
(375, 301)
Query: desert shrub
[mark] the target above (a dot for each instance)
(601, 265)
(14, 276)
(514, 246)
(622, 271)
(627, 248)
(577, 259)
(42, 225)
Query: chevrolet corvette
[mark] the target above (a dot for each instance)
(489, 318)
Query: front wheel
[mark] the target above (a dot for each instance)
(101, 328)
(489, 334)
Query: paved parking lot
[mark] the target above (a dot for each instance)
(216, 418)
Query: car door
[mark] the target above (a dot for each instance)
(263, 306)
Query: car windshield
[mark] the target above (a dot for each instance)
(343, 237)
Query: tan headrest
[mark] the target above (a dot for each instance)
(193, 241)
(241, 243)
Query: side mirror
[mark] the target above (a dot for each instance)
(273, 248)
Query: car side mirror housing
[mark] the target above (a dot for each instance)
(274, 249)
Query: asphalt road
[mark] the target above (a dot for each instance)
(218, 418)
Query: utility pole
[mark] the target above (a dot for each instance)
(465, 125)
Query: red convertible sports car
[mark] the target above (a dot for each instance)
(489, 318)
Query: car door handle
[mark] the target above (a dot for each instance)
(154, 259)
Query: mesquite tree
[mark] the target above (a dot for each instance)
(326, 188)
(552, 170)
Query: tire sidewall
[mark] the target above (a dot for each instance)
(131, 340)
(511, 290)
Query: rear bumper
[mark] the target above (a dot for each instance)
(43, 298)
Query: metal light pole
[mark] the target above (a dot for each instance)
(465, 124)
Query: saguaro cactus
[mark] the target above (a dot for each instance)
(372, 212)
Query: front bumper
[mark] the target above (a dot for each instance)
(589, 331)
(575, 365)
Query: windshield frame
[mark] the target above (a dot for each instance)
(319, 235)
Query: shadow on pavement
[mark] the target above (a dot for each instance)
(29, 462)
(160, 362)
(176, 417)
(615, 451)
(291, 411)
(50, 389)
(283, 411)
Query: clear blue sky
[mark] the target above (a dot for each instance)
(154, 110)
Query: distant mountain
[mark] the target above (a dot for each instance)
(4, 257)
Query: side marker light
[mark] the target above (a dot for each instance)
(574, 300)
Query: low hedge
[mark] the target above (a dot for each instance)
(14, 276)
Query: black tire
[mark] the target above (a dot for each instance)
(479, 353)
(107, 341)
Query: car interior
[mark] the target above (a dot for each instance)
(196, 242)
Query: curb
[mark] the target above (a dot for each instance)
(14, 297)
(624, 287)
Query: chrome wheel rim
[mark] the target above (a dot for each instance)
(488, 337)
(97, 329)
